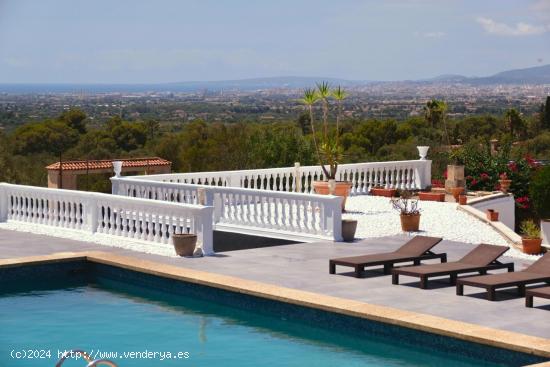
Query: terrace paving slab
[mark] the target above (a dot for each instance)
(304, 266)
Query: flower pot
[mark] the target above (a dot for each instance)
(456, 191)
(184, 244)
(492, 215)
(410, 223)
(431, 196)
(349, 226)
(462, 199)
(531, 245)
(342, 188)
(504, 185)
(379, 191)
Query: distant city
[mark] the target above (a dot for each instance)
(272, 99)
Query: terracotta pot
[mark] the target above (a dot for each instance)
(531, 245)
(379, 191)
(184, 244)
(504, 185)
(456, 191)
(410, 223)
(431, 196)
(349, 226)
(462, 199)
(492, 215)
(342, 188)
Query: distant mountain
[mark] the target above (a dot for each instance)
(533, 75)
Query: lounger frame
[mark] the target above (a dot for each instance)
(388, 264)
(491, 288)
(453, 274)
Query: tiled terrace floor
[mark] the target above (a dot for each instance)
(305, 267)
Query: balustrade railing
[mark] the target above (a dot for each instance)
(283, 214)
(412, 175)
(129, 217)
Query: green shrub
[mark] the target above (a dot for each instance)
(529, 229)
(539, 192)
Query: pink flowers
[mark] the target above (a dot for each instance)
(523, 202)
(484, 176)
(503, 176)
(512, 166)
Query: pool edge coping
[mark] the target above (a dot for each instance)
(413, 320)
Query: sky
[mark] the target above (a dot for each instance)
(146, 41)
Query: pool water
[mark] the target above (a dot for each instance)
(116, 318)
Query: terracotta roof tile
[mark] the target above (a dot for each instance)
(108, 163)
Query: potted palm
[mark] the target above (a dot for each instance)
(530, 240)
(408, 211)
(327, 148)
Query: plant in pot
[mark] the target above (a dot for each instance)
(530, 239)
(504, 182)
(408, 210)
(327, 145)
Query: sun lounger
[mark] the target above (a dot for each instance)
(415, 250)
(538, 272)
(480, 259)
(543, 292)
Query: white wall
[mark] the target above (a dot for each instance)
(503, 204)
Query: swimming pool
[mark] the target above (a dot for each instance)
(105, 309)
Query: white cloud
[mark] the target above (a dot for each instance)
(503, 29)
(430, 34)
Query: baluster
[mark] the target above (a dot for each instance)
(118, 220)
(299, 216)
(150, 224)
(143, 225)
(156, 229)
(306, 216)
(276, 216)
(291, 215)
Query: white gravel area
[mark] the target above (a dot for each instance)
(376, 218)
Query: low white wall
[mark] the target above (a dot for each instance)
(504, 204)
(545, 231)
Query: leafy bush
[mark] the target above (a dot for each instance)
(539, 191)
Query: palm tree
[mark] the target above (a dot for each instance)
(324, 93)
(339, 94)
(309, 99)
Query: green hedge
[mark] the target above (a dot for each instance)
(539, 191)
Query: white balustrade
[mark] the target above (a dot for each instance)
(253, 211)
(411, 175)
(129, 217)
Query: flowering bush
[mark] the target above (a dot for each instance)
(484, 170)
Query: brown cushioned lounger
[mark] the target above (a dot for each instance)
(538, 272)
(480, 259)
(416, 250)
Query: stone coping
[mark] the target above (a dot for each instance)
(413, 320)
